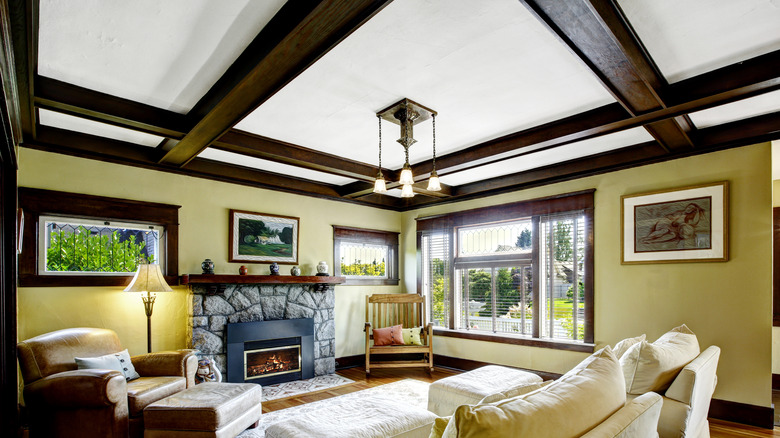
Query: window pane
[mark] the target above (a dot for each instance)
(363, 260)
(101, 247)
(501, 238)
(499, 299)
(562, 260)
(436, 276)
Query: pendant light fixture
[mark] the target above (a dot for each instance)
(379, 184)
(406, 114)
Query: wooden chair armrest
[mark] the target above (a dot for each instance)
(367, 326)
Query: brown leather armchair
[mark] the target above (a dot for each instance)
(64, 401)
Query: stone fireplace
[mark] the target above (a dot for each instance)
(213, 308)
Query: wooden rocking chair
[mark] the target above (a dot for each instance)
(387, 310)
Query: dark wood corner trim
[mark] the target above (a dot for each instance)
(775, 381)
(775, 270)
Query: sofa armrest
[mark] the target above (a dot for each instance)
(696, 380)
(90, 388)
(638, 418)
(168, 363)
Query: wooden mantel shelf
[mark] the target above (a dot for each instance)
(259, 279)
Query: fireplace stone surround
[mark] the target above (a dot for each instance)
(263, 302)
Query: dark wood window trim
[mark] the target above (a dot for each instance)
(38, 202)
(582, 200)
(776, 266)
(363, 235)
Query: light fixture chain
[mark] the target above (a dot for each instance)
(379, 119)
(433, 117)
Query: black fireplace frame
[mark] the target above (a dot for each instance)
(239, 334)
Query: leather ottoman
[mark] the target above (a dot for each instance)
(205, 410)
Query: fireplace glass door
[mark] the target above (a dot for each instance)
(272, 361)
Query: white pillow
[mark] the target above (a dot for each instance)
(523, 388)
(653, 367)
(621, 347)
(570, 406)
(116, 361)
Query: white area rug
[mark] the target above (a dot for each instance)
(409, 391)
(297, 387)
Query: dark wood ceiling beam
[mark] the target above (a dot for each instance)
(740, 133)
(299, 34)
(728, 84)
(82, 102)
(98, 148)
(274, 150)
(597, 32)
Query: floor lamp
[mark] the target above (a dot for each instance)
(148, 279)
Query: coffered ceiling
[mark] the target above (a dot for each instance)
(284, 95)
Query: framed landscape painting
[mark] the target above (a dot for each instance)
(263, 238)
(688, 224)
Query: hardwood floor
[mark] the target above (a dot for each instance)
(718, 429)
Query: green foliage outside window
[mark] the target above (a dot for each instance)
(437, 292)
(85, 252)
(524, 239)
(373, 269)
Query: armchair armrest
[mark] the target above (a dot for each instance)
(367, 326)
(182, 363)
(92, 388)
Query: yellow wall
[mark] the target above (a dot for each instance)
(725, 304)
(203, 233)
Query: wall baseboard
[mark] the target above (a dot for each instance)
(736, 412)
(752, 415)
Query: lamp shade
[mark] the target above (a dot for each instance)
(148, 278)
(379, 185)
(433, 183)
(406, 191)
(406, 175)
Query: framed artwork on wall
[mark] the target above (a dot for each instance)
(263, 238)
(688, 224)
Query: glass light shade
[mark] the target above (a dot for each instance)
(406, 175)
(406, 191)
(148, 278)
(433, 182)
(379, 185)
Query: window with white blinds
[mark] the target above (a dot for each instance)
(524, 270)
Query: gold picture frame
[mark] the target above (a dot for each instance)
(687, 224)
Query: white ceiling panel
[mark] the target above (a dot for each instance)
(162, 53)
(77, 124)
(488, 68)
(548, 157)
(687, 38)
(270, 166)
(743, 109)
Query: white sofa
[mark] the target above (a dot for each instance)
(589, 401)
(687, 401)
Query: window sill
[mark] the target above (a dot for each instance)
(371, 282)
(83, 280)
(514, 340)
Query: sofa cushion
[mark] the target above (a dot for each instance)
(144, 391)
(388, 336)
(570, 406)
(514, 391)
(652, 367)
(621, 347)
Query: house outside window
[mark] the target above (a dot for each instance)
(519, 271)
